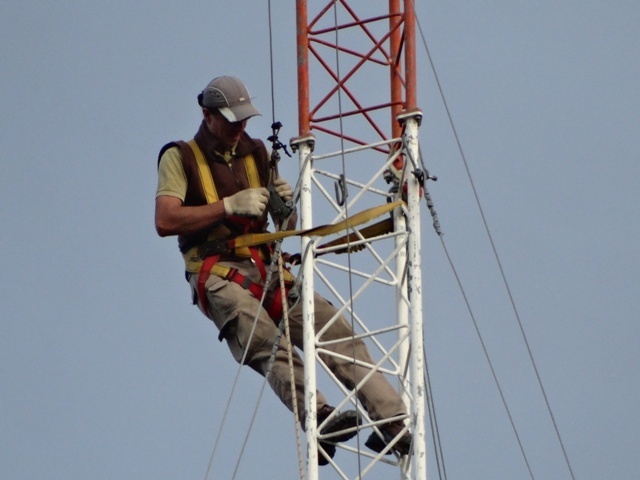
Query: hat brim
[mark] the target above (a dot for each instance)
(239, 112)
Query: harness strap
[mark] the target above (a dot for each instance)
(250, 225)
(253, 239)
(255, 255)
(210, 266)
(206, 179)
(207, 266)
(380, 228)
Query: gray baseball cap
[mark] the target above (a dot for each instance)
(230, 97)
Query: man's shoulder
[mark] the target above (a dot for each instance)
(170, 160)
(174, 147)
(170, 150)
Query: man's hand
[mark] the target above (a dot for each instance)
(247, 203)
(283, 189)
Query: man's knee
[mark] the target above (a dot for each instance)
(249, 345)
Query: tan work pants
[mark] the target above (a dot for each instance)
(233, 309)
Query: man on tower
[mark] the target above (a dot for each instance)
(214, 188)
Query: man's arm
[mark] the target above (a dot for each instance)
(173, 218)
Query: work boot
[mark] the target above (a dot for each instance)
(342, 421)
(329, 450)
(389, 432)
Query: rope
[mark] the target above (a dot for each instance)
(276, 255)
(294, 395)
(273, 103)
(282, 327)
(278, 242)
(237, 377)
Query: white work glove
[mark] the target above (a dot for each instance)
(251, 202)
(283, 189)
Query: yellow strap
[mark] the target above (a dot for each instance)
(252, 171)
(193, 262)
(223, 271)
(206, 178)
(380, 228)
(253, 239)
(220, 270)
(205, 173)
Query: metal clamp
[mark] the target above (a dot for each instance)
(341, 190)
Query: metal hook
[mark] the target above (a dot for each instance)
(341, 190)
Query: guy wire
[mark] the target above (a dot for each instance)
(493, 246)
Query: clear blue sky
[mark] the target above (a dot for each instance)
(108, 372)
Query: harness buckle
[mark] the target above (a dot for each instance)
(231, 274)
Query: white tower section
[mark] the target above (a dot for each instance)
(348, 165)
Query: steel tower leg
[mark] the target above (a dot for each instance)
(304, 146)
(414, 179)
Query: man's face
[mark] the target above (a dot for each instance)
(228, 133)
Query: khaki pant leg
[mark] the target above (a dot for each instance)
(233, 309)
(377, 395)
